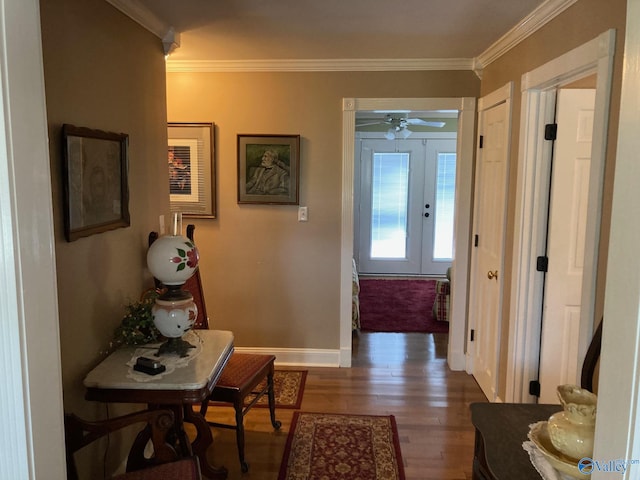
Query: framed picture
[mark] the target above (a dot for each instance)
(268, 169)
(96, 189)
(192, 173)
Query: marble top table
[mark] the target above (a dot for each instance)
(187, 382)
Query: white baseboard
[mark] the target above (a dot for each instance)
(308, 357)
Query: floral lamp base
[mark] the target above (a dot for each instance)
(174, 314)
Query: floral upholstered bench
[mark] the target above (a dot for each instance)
(441, 306)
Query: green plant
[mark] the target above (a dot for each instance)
(137, 326)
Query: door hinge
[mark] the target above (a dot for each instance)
(534, 388)
(472, 335)
(481, 141)
(550, 131)
(542, 264)
(476, 240)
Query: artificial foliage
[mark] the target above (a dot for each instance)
(137, 326)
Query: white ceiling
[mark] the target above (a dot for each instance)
(233, 30)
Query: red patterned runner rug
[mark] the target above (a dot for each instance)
(342, 447)
(288, 386)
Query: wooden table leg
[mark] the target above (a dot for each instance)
(200, 445)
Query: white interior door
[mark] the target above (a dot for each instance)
(559, 362)
(487, 263)
(406, 210)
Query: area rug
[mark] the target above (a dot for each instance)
(342, 447)
(288, 387)
(399, 305)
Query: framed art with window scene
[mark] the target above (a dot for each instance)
(96, 189)
(269, 169)
(192, 169)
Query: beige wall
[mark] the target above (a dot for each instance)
(580, 23)
(103, 71)
(270, 279)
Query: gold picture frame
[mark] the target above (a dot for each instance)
(269, 169)
(95, 181)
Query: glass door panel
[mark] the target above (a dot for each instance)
(444, 211)
(389, 205)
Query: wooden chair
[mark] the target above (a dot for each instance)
(240, 377)
(590, 365)
(165, 463)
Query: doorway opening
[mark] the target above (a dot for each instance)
(464, 108)
(404, 194)
(538, 109)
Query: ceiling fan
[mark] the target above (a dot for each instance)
(400, 125)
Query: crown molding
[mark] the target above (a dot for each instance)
(320, 65)
(537, 19)
(141, 14)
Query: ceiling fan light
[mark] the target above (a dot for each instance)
(390, 135)
(406, 132)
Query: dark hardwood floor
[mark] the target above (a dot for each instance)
(405, 375)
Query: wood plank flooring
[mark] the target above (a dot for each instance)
(405, 375)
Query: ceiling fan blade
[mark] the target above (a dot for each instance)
(424, 123)
(369, 123)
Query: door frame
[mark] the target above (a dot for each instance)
(32, 408)
(534, 158)
(462, 229)
(499, 96)
(618, 411)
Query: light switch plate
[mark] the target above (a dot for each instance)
(303, 214)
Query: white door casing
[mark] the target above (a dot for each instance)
(464, 186)
(559, 362)
(538, 107)
(617, 430)
(486, 282)
(31, 407)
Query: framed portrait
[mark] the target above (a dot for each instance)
(96, 189)
(269, 169)
(192, 173)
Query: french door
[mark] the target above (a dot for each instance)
(406, 214)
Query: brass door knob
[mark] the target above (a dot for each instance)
(491, 275)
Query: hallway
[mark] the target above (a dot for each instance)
(405, 375)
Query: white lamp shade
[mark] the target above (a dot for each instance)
(172, 259)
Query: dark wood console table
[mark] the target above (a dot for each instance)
(501, 428)
(179, 390)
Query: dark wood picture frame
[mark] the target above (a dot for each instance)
(192, 169)
(95, 181)
(269, 169)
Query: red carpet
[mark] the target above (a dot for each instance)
(398, 306)
(342, 447)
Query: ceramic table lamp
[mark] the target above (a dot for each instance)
(173, 259)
